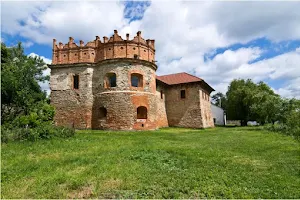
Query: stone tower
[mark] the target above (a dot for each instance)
(109, 84)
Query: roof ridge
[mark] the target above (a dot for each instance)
(193, 75)
(181, 73)
(172, 74)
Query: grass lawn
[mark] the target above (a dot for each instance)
(168, 163)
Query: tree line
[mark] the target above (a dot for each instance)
(249, 101)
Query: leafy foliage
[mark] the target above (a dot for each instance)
(43, 131)
(26, 112)
(239, 100)
(20, 90)
(246, 100)
(289, 118)
(219, 99)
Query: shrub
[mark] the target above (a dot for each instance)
(43, 131)
(286, 129)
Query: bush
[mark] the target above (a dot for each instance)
(286, 129)
(43, 131)
(39, 115)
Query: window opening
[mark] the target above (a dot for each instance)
(142, 112)
(136, 80)
(102, 113)
(110, 80)
(76, 82)
(182, 94)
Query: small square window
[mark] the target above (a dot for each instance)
(182, 94)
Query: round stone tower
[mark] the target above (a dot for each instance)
(105, 85)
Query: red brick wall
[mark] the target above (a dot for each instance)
(96, 50)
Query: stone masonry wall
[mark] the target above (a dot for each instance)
(187, 112)
(206, 112)
(123, 100)
(73, 106)
(161, 114)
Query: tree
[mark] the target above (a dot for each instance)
(239, 100)
(266, 107)
(20, 90)
(249, 101)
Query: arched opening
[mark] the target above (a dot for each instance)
(142, 112)
(110, 80)
(136, 80)
(102, 113)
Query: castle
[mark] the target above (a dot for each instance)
(113, 85)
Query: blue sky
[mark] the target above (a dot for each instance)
(217, 41)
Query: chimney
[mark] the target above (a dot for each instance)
(97, 38)
(115, 32)
(127, 36)
(139, 33)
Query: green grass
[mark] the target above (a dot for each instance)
(168, 163)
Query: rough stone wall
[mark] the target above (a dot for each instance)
(205, 107)
(161, 114)
(123, 100)
(73, 106)
(82, 108)
(190, 111)
(96, 50)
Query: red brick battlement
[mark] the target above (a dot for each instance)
(95, 51)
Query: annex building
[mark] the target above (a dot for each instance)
(112, 84)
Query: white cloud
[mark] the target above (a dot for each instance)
(184, 31)
(43, 21)
(229, 65)
(291, 89)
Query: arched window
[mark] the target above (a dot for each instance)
(142, 112)
(136, 80)
(102, 113)
(110, 80)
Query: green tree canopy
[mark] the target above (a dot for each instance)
(20, 75)
(247, 100)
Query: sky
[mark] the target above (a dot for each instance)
(217, 41)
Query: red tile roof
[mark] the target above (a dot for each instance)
(173, 79)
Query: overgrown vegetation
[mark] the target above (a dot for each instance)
(25, 110)
(222, 163)
(248, 101)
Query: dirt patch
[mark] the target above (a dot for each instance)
(111, 184)
(82, 193)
